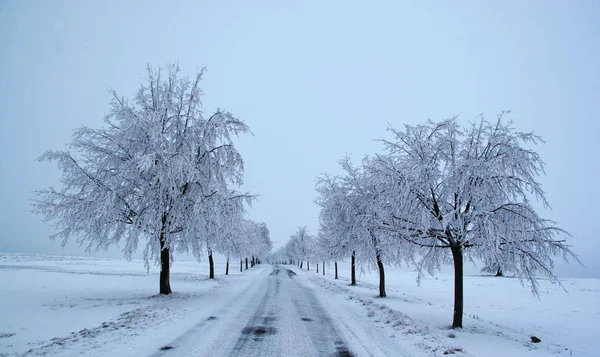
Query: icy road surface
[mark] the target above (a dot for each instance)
(277, 316)
(96, 307)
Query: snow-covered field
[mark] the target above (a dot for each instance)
(500, 314)
(73, 305)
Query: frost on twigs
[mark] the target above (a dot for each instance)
(158, 173)
(442, 193)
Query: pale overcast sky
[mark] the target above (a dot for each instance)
(314, 80)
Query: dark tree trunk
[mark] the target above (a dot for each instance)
(336, 276)
(323, 268)
(307, 265)
(457, 255)
(317, 268)
(301, 264)
(353, 271)
(227, 267)
(499, 272)
(165, 284)
(211, 264)
(252, 262)
(241, 264)
(381, 278)
(246, 263)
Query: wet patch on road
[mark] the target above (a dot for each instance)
(165, 348)
(259, 330)
(290, 273)
(306, 319)
(211, 318)
(267, 320)
(342, 351)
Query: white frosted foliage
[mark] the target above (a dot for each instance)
(159, 170)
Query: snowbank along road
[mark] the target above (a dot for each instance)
(73, 306)
(277, 316)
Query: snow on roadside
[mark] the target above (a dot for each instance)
(500, 314)
(67, 306)
(73, 305)
(398, 331)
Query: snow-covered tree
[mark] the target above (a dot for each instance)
(324, 249)
(349, 216)
(289, 251)
(466, 193)
(249, 239)
(159, 171)
(223, 226)
(261, 244)
(335, 233)
(283, 255)
(237, 244)
(301, 244)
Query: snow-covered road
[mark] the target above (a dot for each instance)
(73, 306)
(276, 316)
(101, 308)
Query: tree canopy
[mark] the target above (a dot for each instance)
(159, 171)
(441, 193)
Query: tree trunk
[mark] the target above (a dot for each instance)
(323, 268)
(317, 268)
(241, 264)
(499, 272)
(246, 263)
(353, 272)
(165, 284)
(457, 256)
(336, 276)
(252, 262)
(227, 267)
(301, 264)
(307, 265)
(211, 264)
(381, 278)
